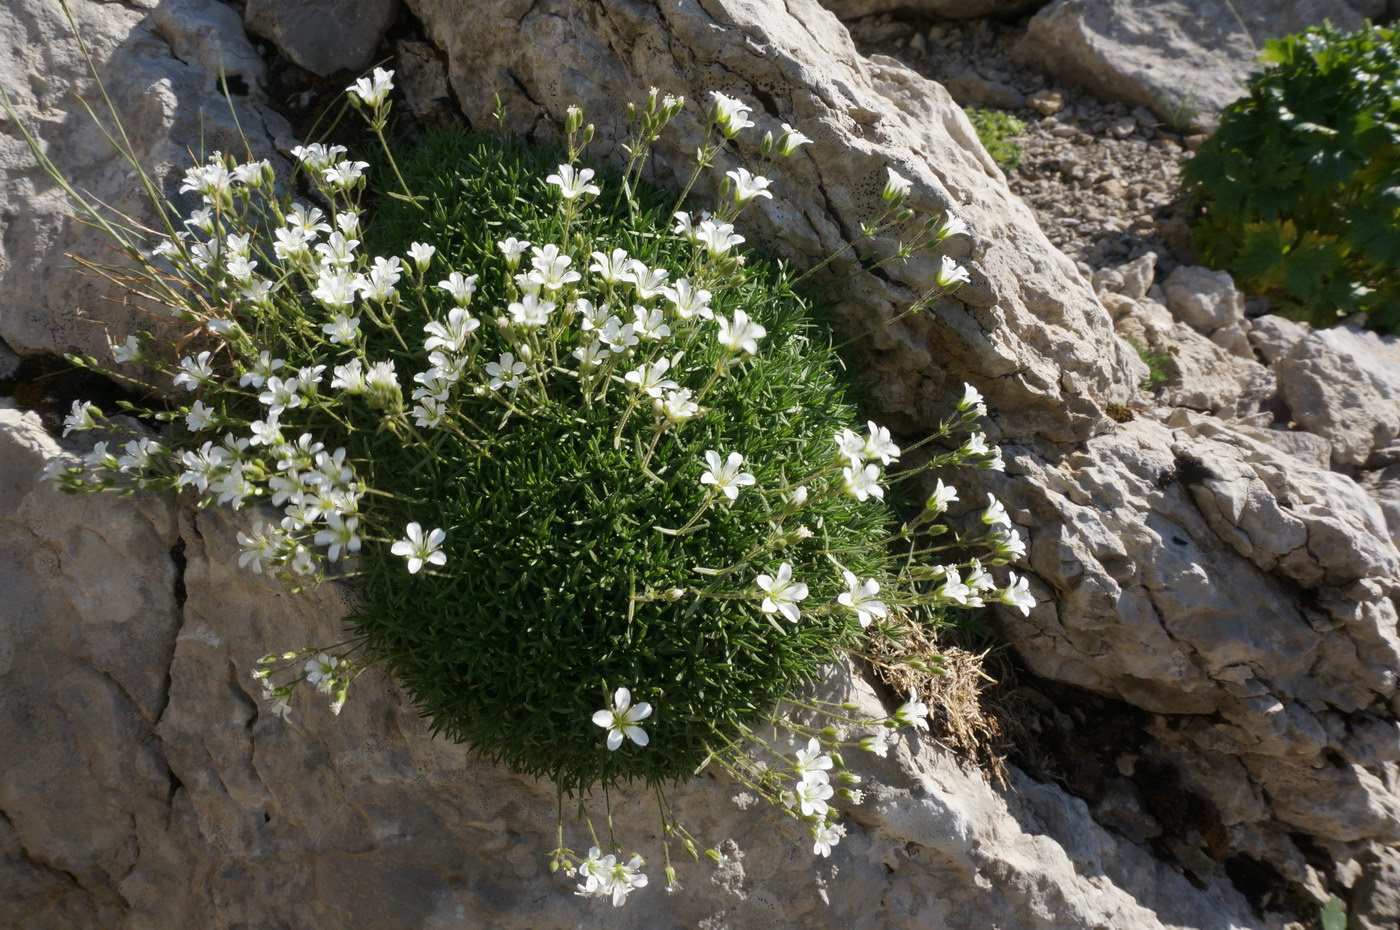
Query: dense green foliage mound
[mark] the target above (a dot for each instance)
(997, 130)
(1298, 191)
(566, 578)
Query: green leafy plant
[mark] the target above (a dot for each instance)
(589, 464)
(997, 130)
(1333, 914)
(1156, 363)
(1297, 193)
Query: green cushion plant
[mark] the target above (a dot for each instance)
(590, 465)
(1298, 192)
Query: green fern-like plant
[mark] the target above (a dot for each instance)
(1298, 193)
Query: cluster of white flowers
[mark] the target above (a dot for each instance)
(608, 877)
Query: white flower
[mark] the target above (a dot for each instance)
(453, 334)
(310, 220)
(748, 186)
(626, 879)
(876, 744)
(420, 549)
(1017, 594)
(975, 446)
(292, 243)
(951, 274)
(592, 354)
(789, 141)
(649, 324)
(573, 183)
(612, 268)
(953, 589)
(688, 301)
(317, 157)
(651, 379)
(897, 187)
(726, 475)
(531, 311)
(335, 287)
(825, 836)
(743, 333)
(685, 228)
(972, 400)
(461, 288)
(552, 268)
(199, 417)
(717, 238)
(995, 514)
(280, 395)
(373, 90)
(912, 713)
(782, 593)
(194, 372)
(337, 249)
(676, 406)
(942, 496)
(812, 764)
(265, 432)
(850, 446)
(622, 719)
(618, 335)
(382, 383)
(240, 268)
(320, 671)
(422, 254)
(729, 114)
(342, 330)
(797, 496)
(591, 316)
(506, 372)
(344, 174)
(649, 281)
(340, 535)
(1011, 545)
(951, 225)
(596, 872)
(861, 483)
(512, 249)
(279, 702)
(811, 797)
(348, 222)
(379, 283)
(349, 377)
(878, 445)
(129, 351)
(861, 598)
(80, 417)
(256, 549)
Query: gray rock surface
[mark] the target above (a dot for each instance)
(1184, 61)
(1203, 299)
(1273, 336)
(323, 36)
(1344, 384)
(942, 9)
(157, 792)
(1217, 581)
(160, 63)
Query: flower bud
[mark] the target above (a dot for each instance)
(766, 145)
(830, 734)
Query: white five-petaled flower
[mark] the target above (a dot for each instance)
(342, 330)
(825, 836)
(676, 406)
(972, 400)
(912, 713)
(688, 301)
(622, 719)
(748, 186)
(80, 417)
(651, 379)
(851, 447)
(451, 335)
(812, 764)
(861, 598)
(716, 238)
(317, 157)
(811, 797)
(995, 514)
(320, 671)
(345, 174)
(781, 593)
(461, 288)
(194, 372)
(1017, 594)
(199, 417)
(878, 444)
(726, 475)
(862, 483)
(506, 372)
(530, 311)
(743, 333)
(729, 114)
(128, 351)
(951, 274)
(422, 254)
(610, 266)
(942, 496)
(373, 90)
(512, 249)
(572, 182)
(420, 549)
(897, 187)
(340, 535)
(790, 140)
(951, 225)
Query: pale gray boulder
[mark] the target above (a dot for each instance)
(942, 9)
(1344, 384)
(1185, 60)
(323, 36)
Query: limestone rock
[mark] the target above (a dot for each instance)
(1183, 61)
(1199, 373)
(970, 89)
(161, 67)
(941, 9)
(1344, 384)
(323, 36)
(1273, 336)
(155, 789)
(1026, 303)
(1203, 299)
